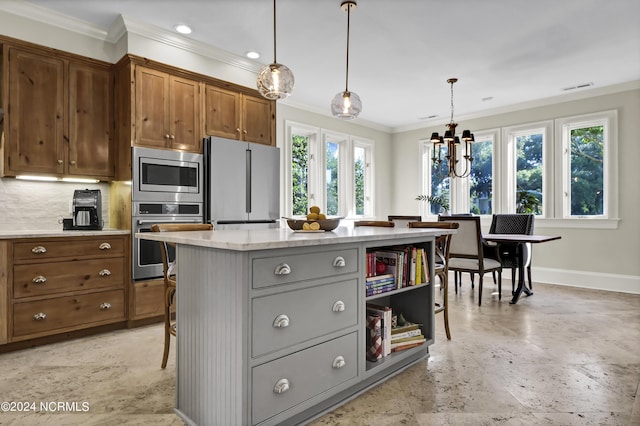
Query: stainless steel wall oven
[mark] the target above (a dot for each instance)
(166, 188)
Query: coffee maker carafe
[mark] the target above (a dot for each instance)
(87, 209)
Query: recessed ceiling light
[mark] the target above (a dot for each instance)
(182, 28)
(488, 98)
(253, 55)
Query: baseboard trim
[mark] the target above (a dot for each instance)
(593, 280)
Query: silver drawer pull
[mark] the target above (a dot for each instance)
(282, 269)
(104, 306)
(281, 321)
(281, 386)
(39, 280)
(41, 316)
(339, 362)
(338, 306)
(38, 250)
(104, 246)
(339, 262)
(104, 273)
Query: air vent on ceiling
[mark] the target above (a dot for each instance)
(429, 117)
(579, 86)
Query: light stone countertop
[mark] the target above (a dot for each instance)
(31, 231)
(263, 239)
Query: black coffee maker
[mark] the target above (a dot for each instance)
(87, 210)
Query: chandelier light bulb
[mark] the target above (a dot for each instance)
(346, 105)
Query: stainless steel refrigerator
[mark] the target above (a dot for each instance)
(242, 184)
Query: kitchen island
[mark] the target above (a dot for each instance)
(271, 324)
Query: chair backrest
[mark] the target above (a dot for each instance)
(443, 242)
(403, 221)
(168, 263)
(512, 224)
(467, 241)
(382, 223)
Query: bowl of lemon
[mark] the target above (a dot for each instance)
(315, 221)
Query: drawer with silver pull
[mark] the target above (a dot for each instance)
(285, 382)
(275, 270)
(282, 320)
(67, 247)
(66, 313)
(59, 277)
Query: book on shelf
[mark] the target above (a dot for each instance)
(385, 278)
(385, 313)
(395, 340)
(404, 334)
(379, 290)
(374, 337)
(412, 273)
(425, 267)
(418, 266)
(409, 345)
(391, 260)
(404, 328)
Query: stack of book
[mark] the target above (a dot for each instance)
(380, 284)
(408, 264)
(406, 336)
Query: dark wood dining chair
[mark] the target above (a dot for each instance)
(169, 276)
(441, 265)
(381, 223)
(513, 223)
(402, 221)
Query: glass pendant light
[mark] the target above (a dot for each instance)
(275, 81)
(347, 105)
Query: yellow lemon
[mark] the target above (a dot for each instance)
(312, 216)
(322, 216)
(306, 226)
(314, 226)
(314, 209)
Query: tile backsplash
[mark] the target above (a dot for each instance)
(42, 205)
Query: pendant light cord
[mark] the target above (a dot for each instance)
(274, 32)
(346, 84)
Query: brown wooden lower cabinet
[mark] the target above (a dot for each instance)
(147, 300)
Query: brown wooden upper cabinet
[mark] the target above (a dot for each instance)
(167, 110)
(59, 115)
(236, 115)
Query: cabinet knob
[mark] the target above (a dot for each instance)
(245, 131)
(281, 321)
(339, 262)
(39, 280)
(104, 273)
(281, 386)
(72, 162)
(338, 306)
(172, 137)
(167, 136)
(104, 246)
(38, 250)
(282, 269)
(40, 316)
(104, 306)
(60, 161)
(339, 362)
(238, 129)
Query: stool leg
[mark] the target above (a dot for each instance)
(445, 302)
(168, 295)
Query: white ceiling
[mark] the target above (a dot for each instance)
(403, 51)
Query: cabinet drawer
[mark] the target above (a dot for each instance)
(65, 247)
(148, 299)
(308, 373)
(58, 277)
(68, 312)
(270, 271)
(284, 319)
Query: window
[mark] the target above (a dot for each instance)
(481, 176)
(336, 174)
(588, 177)
(529, 193)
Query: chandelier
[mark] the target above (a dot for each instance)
(347, 105)
(452, 143)
(275, 81)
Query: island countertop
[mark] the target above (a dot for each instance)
(262, 239)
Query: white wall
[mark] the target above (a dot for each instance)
(597, 258)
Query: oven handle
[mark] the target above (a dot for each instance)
(144, 222)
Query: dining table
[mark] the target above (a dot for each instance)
(519, 240)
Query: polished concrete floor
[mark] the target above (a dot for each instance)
(564, 356)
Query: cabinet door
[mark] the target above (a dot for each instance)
(258, 120)
(35, 117)
(90, 122)
(152, 108)
(184, 114)
(222, 113)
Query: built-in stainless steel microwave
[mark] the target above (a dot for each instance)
(165, 175)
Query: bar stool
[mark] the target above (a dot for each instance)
(169, 275)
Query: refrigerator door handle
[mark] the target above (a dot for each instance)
(248, 181)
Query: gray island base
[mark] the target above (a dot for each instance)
(272, 323)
